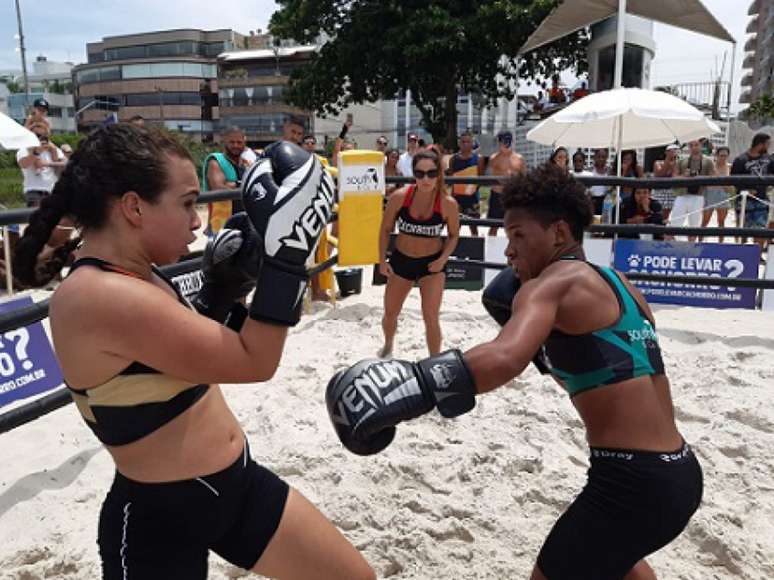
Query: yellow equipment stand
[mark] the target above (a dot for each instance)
(361, 194)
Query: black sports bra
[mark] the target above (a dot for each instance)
(432, 227)
(139, 399)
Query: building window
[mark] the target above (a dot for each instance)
(249, 96)
(634, 57)
(162, 97)
(268, 123)
(94, 75)
(168, 69)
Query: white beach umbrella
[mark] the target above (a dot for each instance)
(624, 119)
(14, 136)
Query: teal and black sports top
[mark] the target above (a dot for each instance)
(139, 399)
(625, 350)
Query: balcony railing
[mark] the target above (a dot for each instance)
(754, 8)
(752, 44)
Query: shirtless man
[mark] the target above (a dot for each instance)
(505, 162)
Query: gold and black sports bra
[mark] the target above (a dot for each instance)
(139, 399)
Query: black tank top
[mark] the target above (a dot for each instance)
(432, 227)
(139, 399)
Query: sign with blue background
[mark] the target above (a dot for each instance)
(690, 259)
(27, 363)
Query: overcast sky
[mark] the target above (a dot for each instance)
(61, 30)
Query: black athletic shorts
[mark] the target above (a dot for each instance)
(634, 503)
(496, 210)
(412, 268)
(150, 531)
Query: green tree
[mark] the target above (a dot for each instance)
(13, 87)
(762, 109)
(435, 48)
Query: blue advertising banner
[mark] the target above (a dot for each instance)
(27, 362)
(690, 259)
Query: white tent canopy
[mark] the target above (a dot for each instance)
(574, 14)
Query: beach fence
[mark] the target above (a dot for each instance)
(715, 275)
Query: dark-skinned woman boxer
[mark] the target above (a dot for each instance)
(593, 331)
(421, 211)
(142, 365)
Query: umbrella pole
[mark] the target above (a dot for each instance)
(619, 45)
(618, 174)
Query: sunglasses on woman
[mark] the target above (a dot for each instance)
(419, 174)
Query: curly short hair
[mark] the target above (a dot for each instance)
(549, 195)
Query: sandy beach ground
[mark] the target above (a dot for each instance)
(467, 498)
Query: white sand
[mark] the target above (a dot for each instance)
(469, 498)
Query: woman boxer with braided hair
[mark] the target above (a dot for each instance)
(593, 331)
(142, 365)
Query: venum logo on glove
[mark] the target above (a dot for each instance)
(442, 375)
(306, 229)
(259, 191)
(366, 393)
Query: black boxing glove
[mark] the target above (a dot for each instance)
(499, 294)
(367, 400)
(498, 297)
(229, 268)
(288, 196)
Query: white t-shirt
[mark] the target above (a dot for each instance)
(404, 164)
(599, 190)
(42, 179)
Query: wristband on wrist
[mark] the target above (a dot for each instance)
(279, 293)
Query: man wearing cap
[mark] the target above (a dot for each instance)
(505, 162)
(38, 115)
(404, 163)
(381, 144)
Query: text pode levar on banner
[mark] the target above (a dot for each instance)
(28, 366)
(690, 259)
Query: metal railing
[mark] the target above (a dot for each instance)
(36, 312)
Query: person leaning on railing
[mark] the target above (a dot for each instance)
(641, 209)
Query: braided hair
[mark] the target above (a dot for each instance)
(111, 161)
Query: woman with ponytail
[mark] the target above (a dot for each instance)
(142, 367)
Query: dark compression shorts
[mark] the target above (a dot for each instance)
(150, 531)
(410, 268)
(634, 503)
